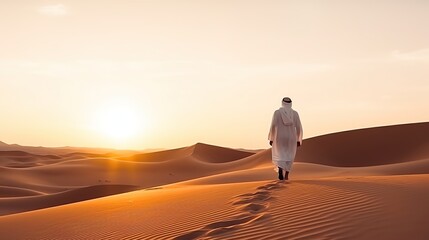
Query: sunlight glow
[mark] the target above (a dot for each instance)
(118, 122)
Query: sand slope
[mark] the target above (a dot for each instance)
(368, 147)
(362, 184)
(15, 204)
(339, 208)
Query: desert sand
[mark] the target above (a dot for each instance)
(361, 184)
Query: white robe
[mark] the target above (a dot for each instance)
(285, 132)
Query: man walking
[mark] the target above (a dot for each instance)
(285, 136)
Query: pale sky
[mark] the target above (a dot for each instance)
(214, 71)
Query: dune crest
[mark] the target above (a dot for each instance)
(368, 147)
(200, 151)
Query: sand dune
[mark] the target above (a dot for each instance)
(20, 159)
(78, 170)
(307, 171)
(368, 147)
(340, 208)
(7, 192)
(178, 165)
(62, 150)
(199, 151)
(19, 204)
(213, 154)
(360, 184)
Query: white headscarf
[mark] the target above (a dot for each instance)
(286, 113)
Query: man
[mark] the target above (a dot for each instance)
(285, 136)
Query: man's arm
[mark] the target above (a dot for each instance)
(298, 127)
(272, 129)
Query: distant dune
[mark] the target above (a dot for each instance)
(62, 150)
(361, 184)
(52, 174)
(18, 204)
(200, 151)
(368, 147)
(20, 159)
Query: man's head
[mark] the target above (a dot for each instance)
(287, 100)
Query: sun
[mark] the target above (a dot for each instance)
(118, 122)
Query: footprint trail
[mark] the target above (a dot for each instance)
(251, 207)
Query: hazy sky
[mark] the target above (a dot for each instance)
(207, 71)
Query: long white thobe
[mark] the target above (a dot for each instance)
(285, 138)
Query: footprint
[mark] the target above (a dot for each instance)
(262, 197)
(273, 185)
(246, 195)
(255, 207)
(258, 196)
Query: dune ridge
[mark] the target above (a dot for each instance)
(368, 147)
(6, 192)
(39, 150)
(200, 151)
(28, 203)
